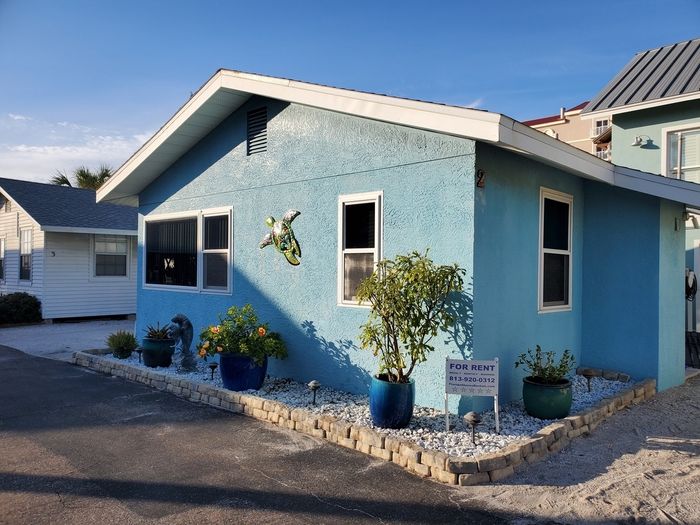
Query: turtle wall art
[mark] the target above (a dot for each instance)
(282, 237)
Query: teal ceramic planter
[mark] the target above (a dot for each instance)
(545, 401)
(157, 352)
(391, 404)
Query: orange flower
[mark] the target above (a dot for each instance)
(215, 329)
(262, 331)
(202, 352)
(219, 349)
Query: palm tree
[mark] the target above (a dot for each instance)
(83, 177)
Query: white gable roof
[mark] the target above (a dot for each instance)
(227, 90)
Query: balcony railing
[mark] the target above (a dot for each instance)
(603, 154)
(596, 131)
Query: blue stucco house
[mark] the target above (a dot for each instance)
(561, 248)
(654, 103)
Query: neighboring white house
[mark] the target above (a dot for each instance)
(78, 257)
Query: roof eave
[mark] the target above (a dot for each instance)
(639, 106)
(101, 231)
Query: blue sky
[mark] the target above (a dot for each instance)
(86, 82)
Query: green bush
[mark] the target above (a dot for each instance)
(19, 307)
(122, 343)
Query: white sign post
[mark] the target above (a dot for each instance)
(472, 378)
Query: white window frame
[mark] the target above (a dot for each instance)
(31, 256)
(376, 197)
(665, 149)
(94, 253)
(3, 243)
(199, 215)
(546, 193)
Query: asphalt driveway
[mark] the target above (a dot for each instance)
(80, 447)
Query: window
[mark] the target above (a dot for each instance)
(111, 255)
(555, 251)
(192, 251)
(359, 240)
(2, 259)
(215, 251)
(25, 255)
(682, 153)
(600, 126)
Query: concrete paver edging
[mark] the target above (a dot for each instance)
(433, 464)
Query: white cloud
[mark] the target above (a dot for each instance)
(476, 103)
(35, 150)
(15, 116)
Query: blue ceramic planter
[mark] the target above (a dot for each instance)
(391, 404)
(239, 372)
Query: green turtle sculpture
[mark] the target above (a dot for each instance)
(282, 236)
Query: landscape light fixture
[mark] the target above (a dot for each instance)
(641, 140)
(313, 386)
(472, 419)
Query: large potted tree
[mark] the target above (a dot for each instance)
(408, 298)
(243, 345)
(546, 390)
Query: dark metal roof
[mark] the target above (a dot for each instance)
(652, 75)
(64, 207)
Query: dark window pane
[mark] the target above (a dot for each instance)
(215, 270)
(359, 225)
(357, 267)
(2, 269)
(216, 233)
(555, 285)
(556, 225)
(171, 252)
(25, 267)
(110, 265)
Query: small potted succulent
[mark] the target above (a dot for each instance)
(243, 345)
(546, 389)
(158, 346)
(409, 305)
(122, 343)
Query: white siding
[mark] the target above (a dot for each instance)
(10, 224)
(72, 290)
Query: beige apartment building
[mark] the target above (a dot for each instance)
(592, 136)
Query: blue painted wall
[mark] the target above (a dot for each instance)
(506, 318)
(671, 296)
(313, 157)
(633, 305)
(650, 122)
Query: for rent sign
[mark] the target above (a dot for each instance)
(471, 378)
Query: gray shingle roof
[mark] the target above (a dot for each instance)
(652, 75)
(64, 207)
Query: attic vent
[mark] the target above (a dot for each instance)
(257, 131)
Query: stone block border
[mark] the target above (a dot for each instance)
(469, 470)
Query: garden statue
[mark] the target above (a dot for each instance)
(182, 332)
(282, 237)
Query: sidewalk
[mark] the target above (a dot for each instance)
(60, 340)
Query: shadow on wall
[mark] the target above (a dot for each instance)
(337, 355)
(461, 333)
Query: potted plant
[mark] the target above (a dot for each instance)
(158, 346)
(546, 390)
(408, 298)
(121, 343)
(243, 345)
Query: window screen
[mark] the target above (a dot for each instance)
(171, 252)
(555, 251)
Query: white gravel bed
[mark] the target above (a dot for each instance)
(427, 427)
